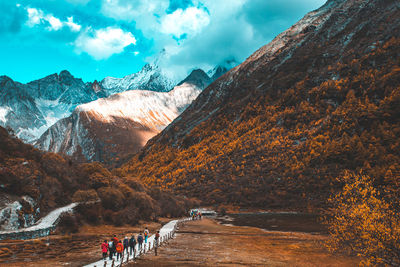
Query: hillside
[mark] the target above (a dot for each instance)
(33, 183)
(276, 131)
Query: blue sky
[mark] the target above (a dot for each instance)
(98, 38)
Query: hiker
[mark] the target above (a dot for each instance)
(156, 238)
(146, 235)
(115, 240)
(111, 249)
(140, 241)
(120, 249)
(132, 244)
(126, 245)
(104, 249)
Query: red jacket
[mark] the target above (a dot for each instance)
(104, 247)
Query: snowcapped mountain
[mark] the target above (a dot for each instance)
(29, 109)
(151, 77)
(110, 128)
(123, 122)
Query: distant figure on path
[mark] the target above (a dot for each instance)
(200, 215)
(126, 245)
(132, 244)
(104, 249)
(111, 249)
(120, 249)
(140, 241)
(146, 235)
(156, 239)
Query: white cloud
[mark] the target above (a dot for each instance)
(55, 23)
(72, 25)
(103, 43)
(189, 21)
(37, 16)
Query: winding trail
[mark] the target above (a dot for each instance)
(41, 228)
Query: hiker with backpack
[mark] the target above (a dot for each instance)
(120, 249)
(115, 241)
(126, 245)
(146, 235)
(140, 241)
(104, 249)
(132, 244)
(111, 249)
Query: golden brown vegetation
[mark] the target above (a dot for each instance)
(285, 148)
(364, 223)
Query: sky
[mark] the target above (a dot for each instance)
(94, 39)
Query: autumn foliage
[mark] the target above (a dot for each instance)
(284, 146)
(365, 222)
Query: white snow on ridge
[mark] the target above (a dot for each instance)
(153, 109)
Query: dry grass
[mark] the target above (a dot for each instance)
(206, 243)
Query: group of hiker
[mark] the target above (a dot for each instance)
(195, 215)
(116, 247)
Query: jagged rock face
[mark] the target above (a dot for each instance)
(110, 129)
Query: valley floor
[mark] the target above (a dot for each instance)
(197, 243)
(207, 243)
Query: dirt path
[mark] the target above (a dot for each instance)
(207, 243)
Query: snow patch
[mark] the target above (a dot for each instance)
(3, 113)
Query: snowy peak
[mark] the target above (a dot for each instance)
(151, 77)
